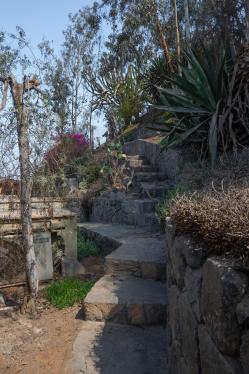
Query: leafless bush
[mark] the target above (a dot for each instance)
(218, 213)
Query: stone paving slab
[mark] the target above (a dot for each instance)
(135, 243)
(117, 232)
(107, 348)
(140, 253)
(126, 299)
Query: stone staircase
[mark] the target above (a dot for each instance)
(124, 314)
(135, 207)
(133, 289)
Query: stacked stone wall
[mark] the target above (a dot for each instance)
(208, 310)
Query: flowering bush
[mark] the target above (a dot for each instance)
(67, 148)
(77, 138)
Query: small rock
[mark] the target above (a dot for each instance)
(37, 331)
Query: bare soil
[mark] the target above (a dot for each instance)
(38, 344)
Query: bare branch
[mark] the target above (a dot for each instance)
(5, 93)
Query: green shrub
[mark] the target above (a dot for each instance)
(86, 247)
(66, 292)
(92, 173)
(89, 172)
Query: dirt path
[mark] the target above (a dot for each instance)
(39, 345)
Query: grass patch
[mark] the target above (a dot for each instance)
(67, 292)
(86, 247)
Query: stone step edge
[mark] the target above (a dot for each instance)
(146, 269)
(125, 311)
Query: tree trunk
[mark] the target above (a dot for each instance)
(178, 46)
(187, 22)
(17, 91)
(164, 46)
(247, 20)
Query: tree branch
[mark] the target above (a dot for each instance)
(5, 93)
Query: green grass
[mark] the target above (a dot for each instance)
(66, 292)
(86, 247)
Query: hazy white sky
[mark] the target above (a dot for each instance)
(39, 18)
(42, 19)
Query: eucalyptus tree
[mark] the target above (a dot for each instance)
(78, 53)
(58, 84)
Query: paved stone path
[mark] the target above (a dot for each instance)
(110, 348)
(123, 331)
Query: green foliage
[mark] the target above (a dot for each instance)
(66, 292)
(156, 75)
(197, 98)
(88, 172)
(114, 168)
(86, 247)
(130, 96)
(119, 93)
(130, 132)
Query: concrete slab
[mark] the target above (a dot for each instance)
(43, 252)
(107, 348)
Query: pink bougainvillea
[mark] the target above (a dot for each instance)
(80, 138)
(67, 147)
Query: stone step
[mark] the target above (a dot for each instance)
(135, 157)
(144, 169)
(110, 348)
(153, 189)
(139, 256)
(126, 300)
(149, 177)
(137, 163)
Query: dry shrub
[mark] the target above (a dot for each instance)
(218, 213)
(219, 219)
(12, 262)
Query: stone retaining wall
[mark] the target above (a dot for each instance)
(208, 310)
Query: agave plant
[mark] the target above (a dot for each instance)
(201, 100)
(156, 74)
